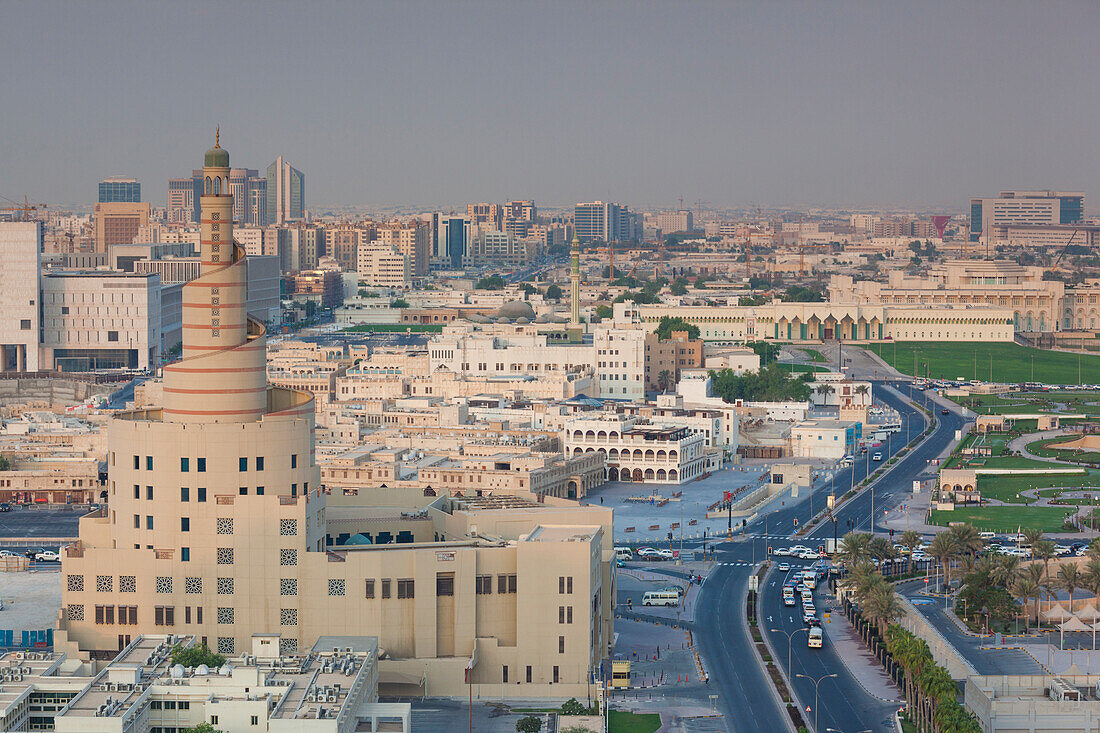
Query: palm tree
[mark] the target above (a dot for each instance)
(1026, 588)
(910, 540)
(664, 378)
(882, 606)
(1034, 574)
(824, 390)
(1092, 582)
(966, 538)
(1071, 578)
(882, 550)
(862, 389)
(943, 549)
(1044, 550)
(861, 578)
(1031, 536)
(1004, 572)
(854, 547)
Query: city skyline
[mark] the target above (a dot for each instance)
(732, 104)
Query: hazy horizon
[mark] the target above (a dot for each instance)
(839, 105)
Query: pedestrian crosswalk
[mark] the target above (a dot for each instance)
(735, 564)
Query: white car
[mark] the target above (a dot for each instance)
(781, 552)
(795, 549)
(47, 556)
(784, 567)
(665, 554)
(809, 555)
(1061, 550)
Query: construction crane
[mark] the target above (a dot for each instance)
(699, 207)
(1063, 252)
(26, 207)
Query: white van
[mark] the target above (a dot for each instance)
(816, 638)
(987, 535)
(661, 598)
(809, 577)
(624, 553)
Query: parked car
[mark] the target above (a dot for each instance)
(5, 507)
(47, 556)
(7, 553)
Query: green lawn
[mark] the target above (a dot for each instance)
(988, 361)
(1045, 448)
(1006, 487)
(815, 355)
(1005, 518)
(1000, 462)
(619, 721)
(398, 327)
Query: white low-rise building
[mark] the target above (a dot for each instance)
(636, 450)
(827, 439)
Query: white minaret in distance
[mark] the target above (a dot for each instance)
(575, 282)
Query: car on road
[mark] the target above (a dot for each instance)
(788, 599)
(784, 567)
(809, 615)
(5, 507)
(808, 555)
(645, 552)
(781, 552)
(661, 598)
(7, 553)
(47, 556)
(945, 411)
(877, 456)
(664, 554)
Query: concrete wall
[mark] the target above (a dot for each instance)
(14, 391)
(942, 651)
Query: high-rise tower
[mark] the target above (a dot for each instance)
(575, 282)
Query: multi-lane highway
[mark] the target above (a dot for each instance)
(726, 646)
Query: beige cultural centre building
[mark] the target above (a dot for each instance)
(216, 525)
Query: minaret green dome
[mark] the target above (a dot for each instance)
(217, 156)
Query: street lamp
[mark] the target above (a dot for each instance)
(816, 682)
(790, 643)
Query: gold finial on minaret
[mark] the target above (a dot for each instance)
(217, 136)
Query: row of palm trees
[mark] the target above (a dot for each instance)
(930, 693)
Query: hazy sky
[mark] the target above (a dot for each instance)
(857, 104)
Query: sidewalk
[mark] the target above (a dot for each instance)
(858, 658)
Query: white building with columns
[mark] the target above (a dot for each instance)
(637, 450)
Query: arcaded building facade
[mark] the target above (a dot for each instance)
(216, 527)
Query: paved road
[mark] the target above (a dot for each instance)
(984, 661)
(722, 639)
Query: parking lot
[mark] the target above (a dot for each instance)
(634, 508)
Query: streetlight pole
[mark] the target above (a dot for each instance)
(790, 643)
(816, 682)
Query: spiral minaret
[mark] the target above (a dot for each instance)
(222, 376)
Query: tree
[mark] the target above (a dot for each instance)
(493, 282)
(1031, 536)
(679, 286)
(799, 294)
(604, 311)
(772, 383)
(529, 724)
(553, 292)
(663, 380)
(966, 539)
(768, 352)
(399, 303)
(667, 325)
(1004, 573)
(5, 464)
(824, 390)
(202, 728)
(701, 283)
(1071, 578)
(943, 550)
(882, 605)
(573, 706)
(193, 656)
(910, 540)
(854, 548)
(528, 289)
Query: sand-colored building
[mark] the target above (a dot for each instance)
(217, 524)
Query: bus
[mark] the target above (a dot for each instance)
(661, 598)
(816, 638)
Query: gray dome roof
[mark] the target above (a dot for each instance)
(516, 309)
